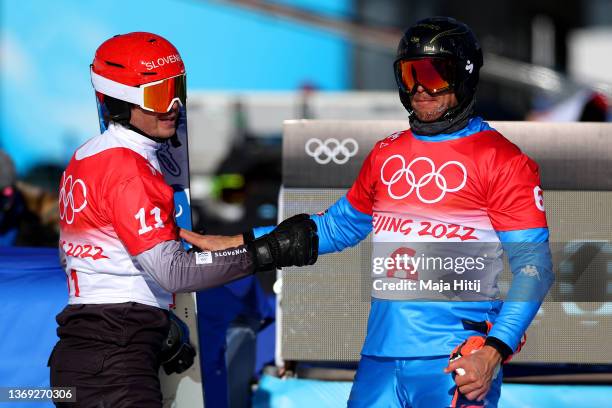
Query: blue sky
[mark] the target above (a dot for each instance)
(47, 105)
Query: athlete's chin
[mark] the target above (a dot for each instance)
(428, 116)
(428, 111)
(166, 131)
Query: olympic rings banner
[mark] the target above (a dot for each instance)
(329, 154)
(332, 158)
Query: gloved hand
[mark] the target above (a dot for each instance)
(474, 366)
(293, 220)
(294, 242)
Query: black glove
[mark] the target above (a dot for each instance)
(249, 236)
(294, 242)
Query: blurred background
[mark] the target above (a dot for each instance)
(252, 64)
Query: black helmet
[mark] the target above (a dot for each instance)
(446, 38)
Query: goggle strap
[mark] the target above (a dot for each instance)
(117, 90)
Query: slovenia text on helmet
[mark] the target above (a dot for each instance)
(137, 68)
(451, 41)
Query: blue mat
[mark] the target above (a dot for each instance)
(293, 393)
(32, 291)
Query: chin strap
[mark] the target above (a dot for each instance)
(453, 120)
(175, 142)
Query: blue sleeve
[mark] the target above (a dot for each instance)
(341, 226)
(531, 264)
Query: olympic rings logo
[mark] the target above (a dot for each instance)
(331, 150)
(416, 184)
(67, 207)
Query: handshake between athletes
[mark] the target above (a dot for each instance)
(294, 242)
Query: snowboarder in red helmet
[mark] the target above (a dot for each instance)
(119, 239)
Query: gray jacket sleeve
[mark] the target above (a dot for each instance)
(177, 270)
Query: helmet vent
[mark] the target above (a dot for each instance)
(148, 73)
(152, 40)
(114, 64)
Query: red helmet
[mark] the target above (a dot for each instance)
(141, 68)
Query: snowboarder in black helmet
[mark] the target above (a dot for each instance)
(449, 164)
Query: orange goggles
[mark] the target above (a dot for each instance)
(156, 96)
(435, 75)
(160, 96)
